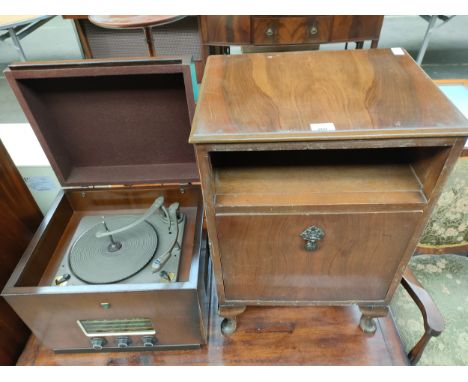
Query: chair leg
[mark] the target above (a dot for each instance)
(433, 320)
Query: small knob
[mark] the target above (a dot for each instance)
(148, 341)
(123, 342)
(269, 32)
(97, 343)
(313, 30)
(312, 235)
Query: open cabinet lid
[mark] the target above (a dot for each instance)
(110, 122)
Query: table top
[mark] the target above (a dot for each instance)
(306, 335)
(358, 94)
(132, 21)
(12, 21)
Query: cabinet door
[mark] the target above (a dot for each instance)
(264, 257)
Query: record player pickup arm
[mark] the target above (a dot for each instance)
(154, 207)
(162, 259)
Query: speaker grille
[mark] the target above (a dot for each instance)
(128, 326)
(109, 43)
(179, 38)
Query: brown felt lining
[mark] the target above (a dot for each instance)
(114, 129)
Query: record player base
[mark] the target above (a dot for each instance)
(265, 336)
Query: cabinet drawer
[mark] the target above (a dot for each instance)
(291, 30)
(264, 257)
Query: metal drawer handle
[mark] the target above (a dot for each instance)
(269, 32)
(313, 30)
(312, 235)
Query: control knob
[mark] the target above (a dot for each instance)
(123, 342)
(148, 341)
(98, 343)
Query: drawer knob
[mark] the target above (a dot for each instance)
(312, 235)
(269, 32)
(313, 30)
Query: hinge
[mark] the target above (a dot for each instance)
(86, 187)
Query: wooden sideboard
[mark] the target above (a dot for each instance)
(319, 171)
(289, 30)
(200, 36)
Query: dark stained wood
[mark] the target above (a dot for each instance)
(356, 28)
(318, 185)
(428, 167)
(207, 181)
(132, 21)
(433, 320)
(250, 30)
(364, 93)
(290, 30)
(50, 311)
(265, 336)
(447, 168)
(370, 185)
(179, 310)
(225, 30)
(19, 218)
(264, 258)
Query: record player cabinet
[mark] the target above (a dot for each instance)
(116, 134)
(319, 171)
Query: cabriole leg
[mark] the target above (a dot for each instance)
(229, 313)
(369, 314)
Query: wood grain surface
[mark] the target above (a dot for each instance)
(228, 30)
(317, 185)
(290, 30)
(356, 27)
(19, 218)
(363, 93)
(177, 309)
(132, 21)
(264, 258)
(265, 336)
(225, 30)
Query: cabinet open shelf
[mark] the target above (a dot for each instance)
(320, 178)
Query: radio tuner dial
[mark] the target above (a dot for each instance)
(123, 342)
(98, 343)
(148, 341)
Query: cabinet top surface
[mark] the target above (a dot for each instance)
(359, 94)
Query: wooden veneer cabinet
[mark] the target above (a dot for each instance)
(319, 171)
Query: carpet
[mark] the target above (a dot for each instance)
(445, 278)
(447, 229)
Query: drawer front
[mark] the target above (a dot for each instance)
(291, 30)
(264, 257)
(356, 27)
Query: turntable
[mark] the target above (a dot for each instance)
(119, 262)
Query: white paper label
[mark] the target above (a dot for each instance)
(321, 127)
(398, 51)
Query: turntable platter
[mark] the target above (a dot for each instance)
(94, 261)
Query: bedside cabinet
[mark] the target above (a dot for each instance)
(319, 171)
